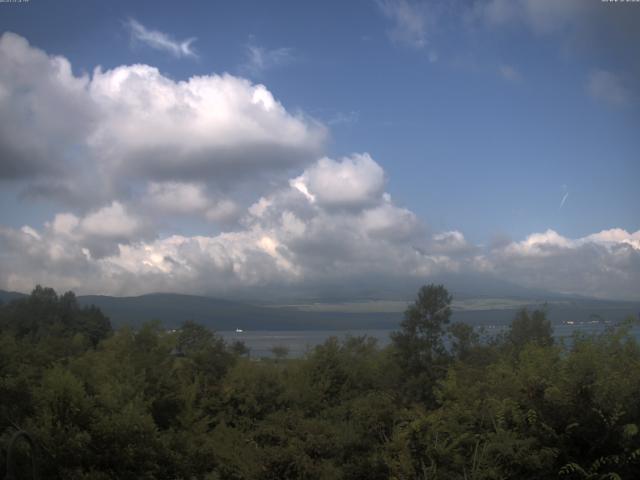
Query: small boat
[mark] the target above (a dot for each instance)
(239, 330)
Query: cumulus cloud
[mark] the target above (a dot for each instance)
(36, 91)
(615, 236)
(287, 250)
(452, 243)
(176, 197)
(112, 221)
(604, 264)
(100, 231)
(184, 198)
(160, 41)
(214, 127)
(133, 120)
(352, 182)
(286, 238)
(143, 147)
(293, 240)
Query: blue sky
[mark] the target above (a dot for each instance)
(494, 119)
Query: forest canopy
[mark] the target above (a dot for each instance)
(439, 402)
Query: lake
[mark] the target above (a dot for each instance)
(299, 342)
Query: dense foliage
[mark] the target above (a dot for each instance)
(437, 403)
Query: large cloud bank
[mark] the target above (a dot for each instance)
(124, 151)
(133, 123)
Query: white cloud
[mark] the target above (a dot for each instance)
(286, 239)
(112, 221)
(389, 221)
(65, 224)
(539, 244)
(160, 41)
(133, 124)
(609, 88)
(291, 240)
(353, 182)
(177, 197)
(143, 146)
(615, 236)
(100, 231)
(296, 252)
(213, 127)
(451, 242)
(604, 264)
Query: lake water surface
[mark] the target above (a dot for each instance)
(299, 342)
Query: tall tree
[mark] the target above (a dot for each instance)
(530, 328)
(419, 346)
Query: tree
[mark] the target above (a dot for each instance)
(530, 328)
(419, 346)
(464, 339)
(239, 348)
(44, 315)
(206, 351)
(280, 352)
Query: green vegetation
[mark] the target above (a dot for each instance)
(151, 403)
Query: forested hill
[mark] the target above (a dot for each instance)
(6, 297)
(173, 309)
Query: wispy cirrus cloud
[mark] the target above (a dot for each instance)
(344, 118)
(409, 21)
(605, 31)
(509, 73)
(160, 41)
(542, 16)
(609, 88)
(260, 59)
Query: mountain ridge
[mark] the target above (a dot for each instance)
(172, 309)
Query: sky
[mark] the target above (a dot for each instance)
(254, 148)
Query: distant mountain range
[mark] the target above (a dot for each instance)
(6, 297)
(173, 309)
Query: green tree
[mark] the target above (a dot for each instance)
(44, 315)
(419, 346)
(530, 328)
(280, 352)
(463, 340)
